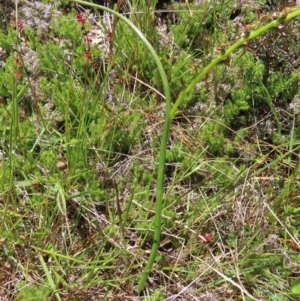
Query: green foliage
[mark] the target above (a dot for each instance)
(8, 39)
(125, 133)
(179, 71)
(156, 296)
(176, 153)
(66, 27)
(132, 55)
(6, 76)
(32, 292)
(296, 287)
(213, 135)
(234, 107)
(240, 135)
(193, 27)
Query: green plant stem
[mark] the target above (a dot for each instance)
(163, 145)
(169, 114)
(226, 53)
(15, 118)
(13, 133)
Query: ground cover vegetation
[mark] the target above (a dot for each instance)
(83, 110)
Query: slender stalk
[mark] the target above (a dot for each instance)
(163, 145)
(15, 117)
(294, 12)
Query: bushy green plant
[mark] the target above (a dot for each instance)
(216, 141)
(194, 25)
(8, 39)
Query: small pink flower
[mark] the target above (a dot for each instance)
(87, 40)
(17, 60)
(80, 18)
(20, 25)
(87, 55)
(35, 185)
(208, 237)
(18, 74)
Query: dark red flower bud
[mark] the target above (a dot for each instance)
(20, 25)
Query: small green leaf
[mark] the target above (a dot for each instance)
(296, 287)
